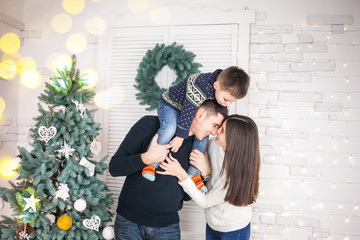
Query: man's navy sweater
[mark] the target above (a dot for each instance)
(153, 204)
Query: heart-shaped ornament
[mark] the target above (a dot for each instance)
(47, 133)
(92, 223)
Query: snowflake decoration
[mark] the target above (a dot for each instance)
(24, 235)
(66, 150)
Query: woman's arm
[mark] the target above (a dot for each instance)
(205, 200)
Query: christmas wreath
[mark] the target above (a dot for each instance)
(175, 57)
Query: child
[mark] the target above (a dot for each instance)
(179, 103)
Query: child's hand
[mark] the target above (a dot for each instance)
(173, 168)
(176, 143)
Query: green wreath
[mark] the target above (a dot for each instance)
(175, 57)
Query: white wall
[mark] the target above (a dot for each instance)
(304, 96)
(9, 88)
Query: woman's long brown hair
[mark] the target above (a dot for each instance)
(241, 161)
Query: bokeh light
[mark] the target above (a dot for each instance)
(107, 99)
(26, 63)
(30, 78)
(160, 16)
(8, 168)
(95, 26)
(76, 43)
(61, 23)
(60, 62)
(7, 69)
(2, 105)
(10, 43)
(138, 5)
(0, 116)
(89, 78)
(73, 6)
(102, 100)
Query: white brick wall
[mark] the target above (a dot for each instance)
(305, 99)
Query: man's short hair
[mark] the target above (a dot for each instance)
(212, 107)
(235, 81)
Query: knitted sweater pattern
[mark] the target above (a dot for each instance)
(188, 95)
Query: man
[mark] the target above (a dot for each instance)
(149, 210)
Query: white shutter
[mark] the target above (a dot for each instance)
(125, 50)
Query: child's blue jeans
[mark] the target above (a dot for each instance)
(168, 118)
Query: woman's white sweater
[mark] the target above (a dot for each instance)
(219, 215)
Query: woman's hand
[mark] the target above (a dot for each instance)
(201, 162)
(172, 167)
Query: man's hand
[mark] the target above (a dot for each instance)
(201, 162)
(176, 143)
(156, 152)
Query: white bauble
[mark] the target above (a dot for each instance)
(1, 203)
(80, 205)
(108, 233)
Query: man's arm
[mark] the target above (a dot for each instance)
(132, 155)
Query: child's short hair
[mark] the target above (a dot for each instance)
(234, 80)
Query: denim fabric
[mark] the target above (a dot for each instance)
(201, 146)
(241, 234)
(127, 230)
(168, 117)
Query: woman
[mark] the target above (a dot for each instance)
(234, 184)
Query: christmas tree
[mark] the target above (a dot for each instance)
(57, 195)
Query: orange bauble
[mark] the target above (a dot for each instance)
(64, 222)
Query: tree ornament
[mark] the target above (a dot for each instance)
(62, 192)
(92, 223)
(24, 232)
(108, 233)
(1, 203)
(80, 205)
(64, 222)
(31, 203)
(61, 108)
(80, 107)
(29, 206)
(95, 147)
(175, 57)
(91, 167)
(47, 133)
(66, 150)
